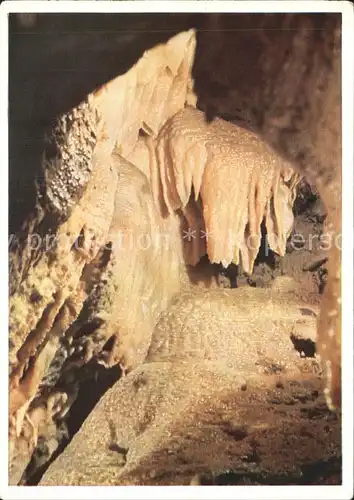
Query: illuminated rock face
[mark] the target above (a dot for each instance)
(122, 175)
(110, 255)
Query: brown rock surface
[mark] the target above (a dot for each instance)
(221, 391)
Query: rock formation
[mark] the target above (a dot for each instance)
(136, 187)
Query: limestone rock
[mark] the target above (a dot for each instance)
(218, 393)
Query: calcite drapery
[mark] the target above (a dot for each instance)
(239, 179)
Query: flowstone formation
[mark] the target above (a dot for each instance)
(139, 197)
(85, 246)
(221, 393)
